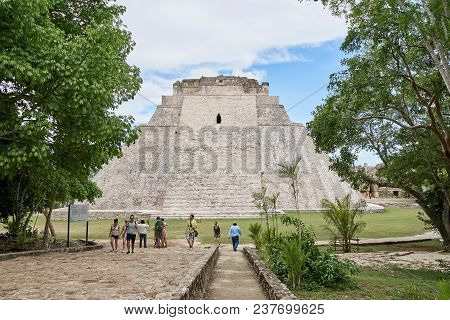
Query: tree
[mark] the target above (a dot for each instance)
(392, 99)
(290, 171)
(342, 220)
(63, 71)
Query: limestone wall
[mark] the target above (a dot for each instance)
(185, 162)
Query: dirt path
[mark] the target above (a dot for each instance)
(391, 240)
(234, 278)
(146, 274)
(409, 260)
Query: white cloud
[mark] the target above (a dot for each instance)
(191, 38)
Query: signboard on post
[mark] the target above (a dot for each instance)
(78, 212)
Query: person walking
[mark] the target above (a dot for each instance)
(114, 233)
(191, 231)
(158, 232)
(123, 234)
(216, 232)
(131, 234)
(142, 230)
(234, 234)
(164, 234)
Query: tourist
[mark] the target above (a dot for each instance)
(142, 230)
(114, 233)
(164, 234)
(131, 234)
(216, 230)
(158, 232)
(191, 231)
(234, 234)
(123, 234)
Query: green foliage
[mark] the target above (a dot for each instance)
(412, 292)
(444, 290)
(298, 262)
(342, 220)
(294, 258)
(392, 99)
(256, 234)
(63, 73)
(290, 170)
(328, 271)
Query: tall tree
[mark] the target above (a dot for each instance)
(63, 71)
(392, 98)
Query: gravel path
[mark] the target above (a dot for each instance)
(146, 274)
(409, 260)
(234, 278)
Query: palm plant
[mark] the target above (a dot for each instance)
(342, 220)
(294, 257)
(256, 234)
(273, 199)
(290, 171)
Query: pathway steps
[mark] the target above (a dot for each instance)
(234, 278)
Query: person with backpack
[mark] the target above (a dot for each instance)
(191, 231)
(158, 232)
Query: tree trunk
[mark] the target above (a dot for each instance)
(446, 224)
(48, 226)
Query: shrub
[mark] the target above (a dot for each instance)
(297, 261)
(294, 257)
(256, 234)
(326, 270)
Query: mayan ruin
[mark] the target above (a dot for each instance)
(210, 145)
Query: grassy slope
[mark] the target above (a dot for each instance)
(387, 284)
(393, 222)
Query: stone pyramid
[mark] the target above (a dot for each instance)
(205, 150)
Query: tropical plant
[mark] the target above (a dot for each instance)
(290, 171)
(273, 199)
(262, 202)
(282, 251)
(294, 257)
(255, 230)
(342, 220)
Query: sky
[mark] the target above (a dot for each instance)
(294, 46)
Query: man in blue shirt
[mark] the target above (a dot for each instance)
(234, 234)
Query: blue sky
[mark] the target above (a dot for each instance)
(293, 46)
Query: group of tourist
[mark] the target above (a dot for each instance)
(131, 229)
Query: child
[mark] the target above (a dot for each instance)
(216, 230)
(158, 232)
(164, 234)
(124, 235)
(114, 233)
(142, 230)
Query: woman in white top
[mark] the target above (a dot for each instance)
(114, 233)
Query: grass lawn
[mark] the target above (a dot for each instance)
(394, 283)
(393, 222)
